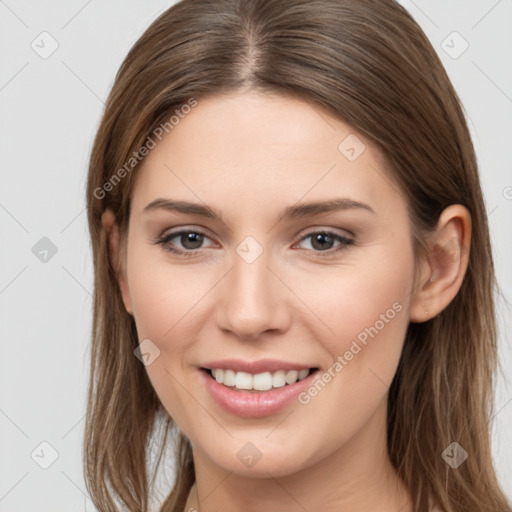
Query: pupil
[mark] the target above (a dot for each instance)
(195, 239)
(322, 238)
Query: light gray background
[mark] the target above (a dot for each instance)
(50, 109)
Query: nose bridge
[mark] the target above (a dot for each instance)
(253, 299)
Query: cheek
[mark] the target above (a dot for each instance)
(164, 297)
(169, 306)
(366, 305)
(164, 301)
(366, 296)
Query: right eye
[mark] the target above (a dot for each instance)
(190, 240)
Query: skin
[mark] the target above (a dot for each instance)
(248, 156)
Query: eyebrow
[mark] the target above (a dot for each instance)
(301, 210)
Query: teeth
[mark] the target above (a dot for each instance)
(262, 381)
(229, 377)
(303, 374)
(259, 382)
(242, 380)
(292, 376)
(279, 379)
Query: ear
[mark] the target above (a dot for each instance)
(443, 268)
(116, 260)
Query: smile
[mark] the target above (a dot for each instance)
(255, 388)
(258, 382)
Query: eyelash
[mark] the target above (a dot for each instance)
(164, 242)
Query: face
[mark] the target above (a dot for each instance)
(257, 287)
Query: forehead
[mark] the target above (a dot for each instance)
(255, 150)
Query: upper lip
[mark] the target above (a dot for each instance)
(255, 367)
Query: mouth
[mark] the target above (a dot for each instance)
(256, 388)
(257, 382)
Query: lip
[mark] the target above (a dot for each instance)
(253, 404)
(254, 367)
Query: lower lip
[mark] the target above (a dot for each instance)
(254, 404)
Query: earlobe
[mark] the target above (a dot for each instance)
(112, 230)
(445, 265)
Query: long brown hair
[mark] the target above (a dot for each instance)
(370, 64)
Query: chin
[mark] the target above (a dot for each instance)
(256, 460)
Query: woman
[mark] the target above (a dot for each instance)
(292, 267)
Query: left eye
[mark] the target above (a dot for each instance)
(191, 241)
(322, 241)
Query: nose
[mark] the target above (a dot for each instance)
(253, 299)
